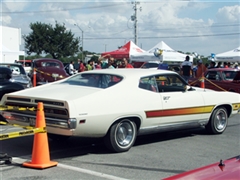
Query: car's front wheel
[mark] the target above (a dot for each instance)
(218, 121)
(121, 135)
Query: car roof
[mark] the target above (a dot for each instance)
(46, 59)
(17, 64)
(139, 72)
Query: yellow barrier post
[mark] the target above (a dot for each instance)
(34, 77)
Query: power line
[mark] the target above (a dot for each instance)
(154, 37)
(71, 9)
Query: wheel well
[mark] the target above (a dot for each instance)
(227, 107)
(132, 118)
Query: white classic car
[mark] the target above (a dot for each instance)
(120, 104)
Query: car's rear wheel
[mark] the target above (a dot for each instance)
(218, 121)
(121, 136)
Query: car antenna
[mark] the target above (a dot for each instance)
(221, 163)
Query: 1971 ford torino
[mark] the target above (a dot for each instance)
(120, 104)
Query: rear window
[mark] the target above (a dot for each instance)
(94, 80)
(51, 64)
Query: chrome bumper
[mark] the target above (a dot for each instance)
(30, 120)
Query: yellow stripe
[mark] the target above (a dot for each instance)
(15, 125)
(208, 109)
(3, 108)
(236, 106)
(22, 133)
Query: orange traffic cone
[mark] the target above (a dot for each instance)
(40, 152)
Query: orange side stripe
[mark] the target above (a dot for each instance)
(177, 112)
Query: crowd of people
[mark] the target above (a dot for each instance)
(187, 69)
(111, 63)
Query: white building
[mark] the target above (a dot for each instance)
(10, 40)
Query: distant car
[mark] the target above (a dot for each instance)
(220, 79)
(156, 65)
(119, 104)
(19, 75)
(149, 65)
(47, 70)
(7, 86)
(27, 65)
(228, 169)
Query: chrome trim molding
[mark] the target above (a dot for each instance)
(172, 127)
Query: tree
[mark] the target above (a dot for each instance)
(56, 41)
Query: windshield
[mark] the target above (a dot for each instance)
(51, 64)
(93, 80)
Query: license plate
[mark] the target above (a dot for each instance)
(32, 122)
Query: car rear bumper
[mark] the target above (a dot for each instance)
(55, 126)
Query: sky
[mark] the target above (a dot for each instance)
(200, 26)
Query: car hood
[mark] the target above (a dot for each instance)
(230, 170)
(57, 91)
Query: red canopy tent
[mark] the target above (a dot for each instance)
(125, 51)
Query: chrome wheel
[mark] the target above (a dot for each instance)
(121, 136)
(218, 121)
(124, 133)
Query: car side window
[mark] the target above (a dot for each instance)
(229, 75)
(94, 80)
(170, 83)
(148, 83)
(212, 75)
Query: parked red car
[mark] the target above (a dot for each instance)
(220, 79)
(48, 70)
(228, 169)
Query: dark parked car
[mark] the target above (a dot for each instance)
(6, 86)
(220, 79)
(48, 70)
(19, 74)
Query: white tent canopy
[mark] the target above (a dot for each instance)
(229, 56)
(168, 54)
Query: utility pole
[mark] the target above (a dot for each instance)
(105, 47)
(82, 38)
(134, 18)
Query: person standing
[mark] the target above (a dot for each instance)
(76, 65)
(186, 69)
(125, 63)
(107, 65)
(81, 67)
(219, 65)
(90, 65)
(71, 68)
(201, 68)
(212, 65)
